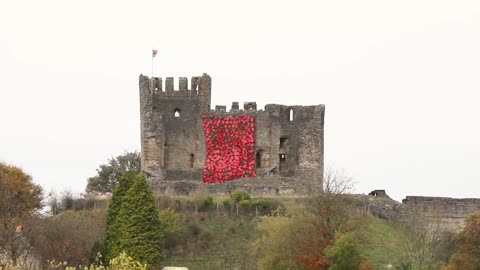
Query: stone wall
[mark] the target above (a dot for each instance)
(452, 212)
(269, 185)
(449, 212)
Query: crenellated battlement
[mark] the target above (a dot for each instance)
(157, 89)
(284, 112)
(248, 107)
(160, 86)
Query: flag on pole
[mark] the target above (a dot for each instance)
(154, 53)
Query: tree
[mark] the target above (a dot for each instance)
(467, 254)
(109, 174)
(112, 230)
(329, 214)
(345, 254)
(337, 181)
(20, 198)
(140, 233)
(301, 236)
(427, 243)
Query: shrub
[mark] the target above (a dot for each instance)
(194, 229)
(74, 235)
(245, 203)
(121, 262)
(169, 221)
(208, 201)
(239, 195)
(345, 254)
(8, 265)
(198, 195)
(276, 247)
(263, 204)
(226, 202)
(125, 262)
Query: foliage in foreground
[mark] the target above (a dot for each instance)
(69, 237)
(121, 262)
(467, 254)
(278, 239)
(139, 225)
(112, 232)
(345, 254)
(299, 236)
(20, 198)
(427, 245)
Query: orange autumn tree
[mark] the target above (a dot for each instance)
(20, 198)
(313, 252)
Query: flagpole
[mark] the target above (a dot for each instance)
(154, 53)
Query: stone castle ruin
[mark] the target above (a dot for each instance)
(185, 142)
(278, 150)
(447, 213)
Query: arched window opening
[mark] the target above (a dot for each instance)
(176, 113)
(291, 115)
(283, 163)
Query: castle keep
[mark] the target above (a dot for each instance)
(286, 146)
(284, 156)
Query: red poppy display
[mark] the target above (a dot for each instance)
(230, 144)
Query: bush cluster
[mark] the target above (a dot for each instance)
(239, 195)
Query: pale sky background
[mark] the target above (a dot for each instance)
(400, 81)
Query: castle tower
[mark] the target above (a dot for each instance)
(171, 126)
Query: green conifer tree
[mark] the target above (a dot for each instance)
(140, 234)
(112, 231)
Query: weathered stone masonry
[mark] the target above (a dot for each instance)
(289, 139)
(450, 213)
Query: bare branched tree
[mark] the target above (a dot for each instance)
(337, 181)
(427, 242)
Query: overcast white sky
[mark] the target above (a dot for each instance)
(400, 81)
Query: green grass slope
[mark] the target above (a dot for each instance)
(214, 242)
(382, 243)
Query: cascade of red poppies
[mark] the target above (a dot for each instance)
(230, 144)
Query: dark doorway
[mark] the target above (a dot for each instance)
(192, 160)
(283, 162)
(258, 159)
(283, 143)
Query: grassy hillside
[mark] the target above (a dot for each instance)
(212, 241)
(382, 242)
(215, 235)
